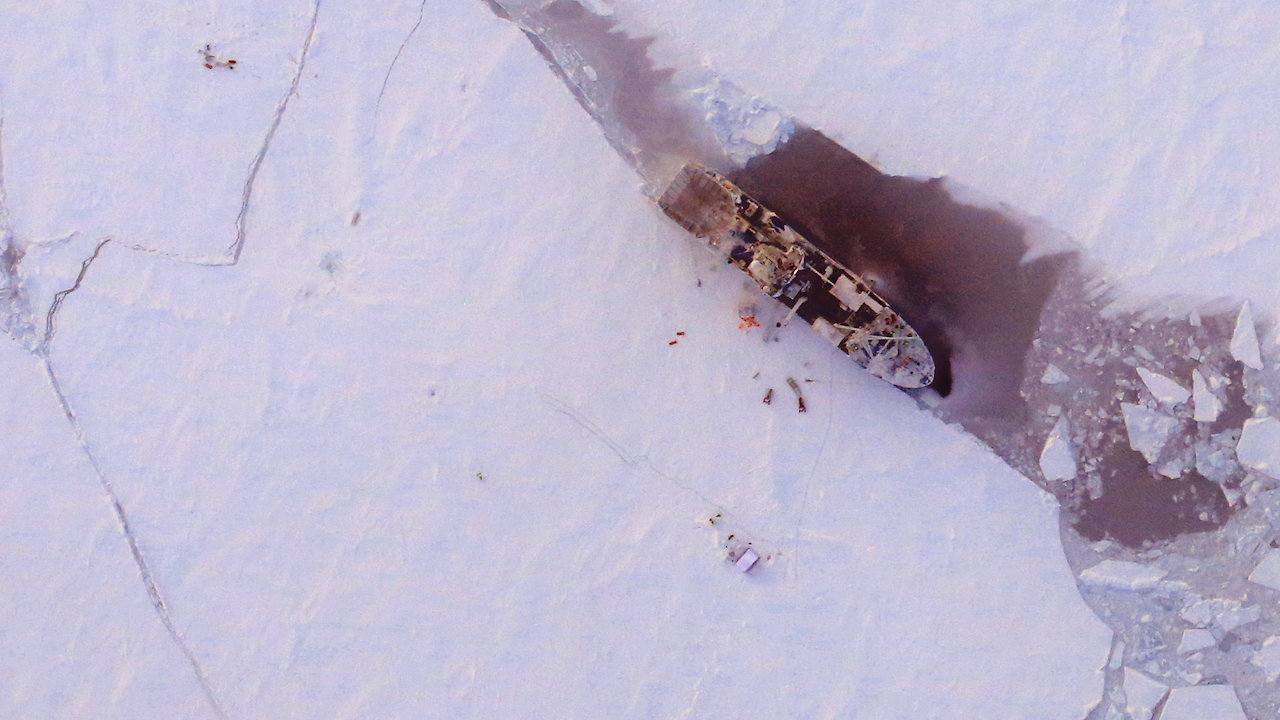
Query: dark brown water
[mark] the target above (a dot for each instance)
(955, 271)
(1137, 507)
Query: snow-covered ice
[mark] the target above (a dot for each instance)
(80, 636)
(454, 425)
(342, 499)
(112, 122)
(427, 450)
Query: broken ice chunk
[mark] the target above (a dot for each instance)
(1267, 573)
(1123, 575)
(1053, 376)
(1225, 614)
(1178, 465)
(1057, 461)
(1268, 658)
(1193, 640)
(1213, 461)
(745, 125)
(1207, 405)
(1142, 693)
(1199, 613)
(1259, 446)
(1233, 616)
(596, 7)
(1204, 702)
(1233, 495)
(760, 129)
(1165, 389)
(1244, 341)
(1148, 430)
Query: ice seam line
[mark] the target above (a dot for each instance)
(238, 246)
(50, 320)
(386, 78)
(148, 580)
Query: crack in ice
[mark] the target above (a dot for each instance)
(1112, 681)
(238, 246)
(148, 579)
(11, 259)
(233, 252)
(643, 460)
(6, 234)
(23, 328)
(19, 323)
(50, 319)
(386, 78)
(590, 427)
(808, 483)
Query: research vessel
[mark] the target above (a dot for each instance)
(832, 299)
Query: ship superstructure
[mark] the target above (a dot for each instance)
(832, 299)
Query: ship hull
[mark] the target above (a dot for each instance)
(837, 303)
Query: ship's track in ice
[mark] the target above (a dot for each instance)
(837, 303)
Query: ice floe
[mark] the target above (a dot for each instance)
(1123, 575)
(1220, 613)
(1259, 446)
(1244, 341)
(1267, 573)
(1148, 430)
(1196, 639)
(1053, 375)
(1215, 458)
(1142, 693)
(1057, 460)
(1165, 389)
(1268, 658)
(1207, 405)
(1203, 702)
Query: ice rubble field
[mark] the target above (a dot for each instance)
(426, 450)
